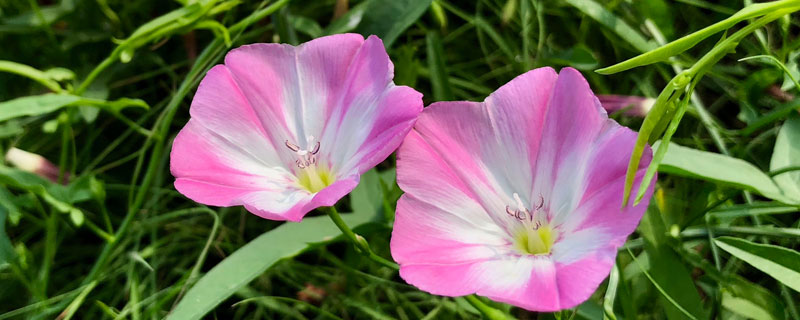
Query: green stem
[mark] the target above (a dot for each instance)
(486, 310)
(358, 241)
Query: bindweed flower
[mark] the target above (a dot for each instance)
(633, 106)
(283, 130)
(32, 162)
(517, 198)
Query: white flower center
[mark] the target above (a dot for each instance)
(311, 176)
(306, 157)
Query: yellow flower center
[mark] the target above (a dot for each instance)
(535, 241)
(315, 178)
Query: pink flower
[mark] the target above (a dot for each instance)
(516, 198)
(633, 106)
(283, 130)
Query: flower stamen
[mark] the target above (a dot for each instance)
(306, 157)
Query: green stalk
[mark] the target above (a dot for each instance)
(487, 311)
(358, 241)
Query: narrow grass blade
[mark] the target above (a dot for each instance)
(781, 263)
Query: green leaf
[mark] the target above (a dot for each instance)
(46, 103)
(388, 19)
(366, 198)
(251, 260)
(348, 21)
(6, 249)
(737, 294)
(786, 155)
(578, 57)
(35, 105)
(50, 14)
(780, 263)
(48, 79)
(60, 197)
(442, 91)
(685, 43)
(667, 269)
(306, 25)
(718, 168)
(609, 20)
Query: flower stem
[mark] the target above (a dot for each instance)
(362, 246)
(358, 241)
(487, 311)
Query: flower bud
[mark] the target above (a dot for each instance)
(32, 162)
(634, 106)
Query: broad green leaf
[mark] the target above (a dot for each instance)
(306, 25)
(577, 57)
(442, 91)
(737, 294)
(786, 155)
(46, 103)
(59, 196)
(6, 249)
(667, 269)
(388, 19)
(50, 14)
(251, 260)
(35, 105)
(781, 263)
(366, 198)
(10, 129)
(718, 168)
(677, 47)
(609, 20)
(348, 21)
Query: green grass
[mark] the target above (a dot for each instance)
(119, 242)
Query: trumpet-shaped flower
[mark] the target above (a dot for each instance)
(634, 106)
(283, 130)
(517, 198)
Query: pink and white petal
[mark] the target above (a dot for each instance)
(516, 113)
(360, 103)
(202, 155)
(601, 193)
(426, 234)
(397, 112)
(457, 132)
(535, 287)
(579, 280)
(524, 281)
(220, 107)
(425, 174)
(287, 85)
(215, 171)
(293, 206)
(445, 280)
(548, 286)
(574, 119)
(483, 276)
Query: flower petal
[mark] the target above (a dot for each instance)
(373, 114)
(214, 171)
(294, 89)
(530, 282)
